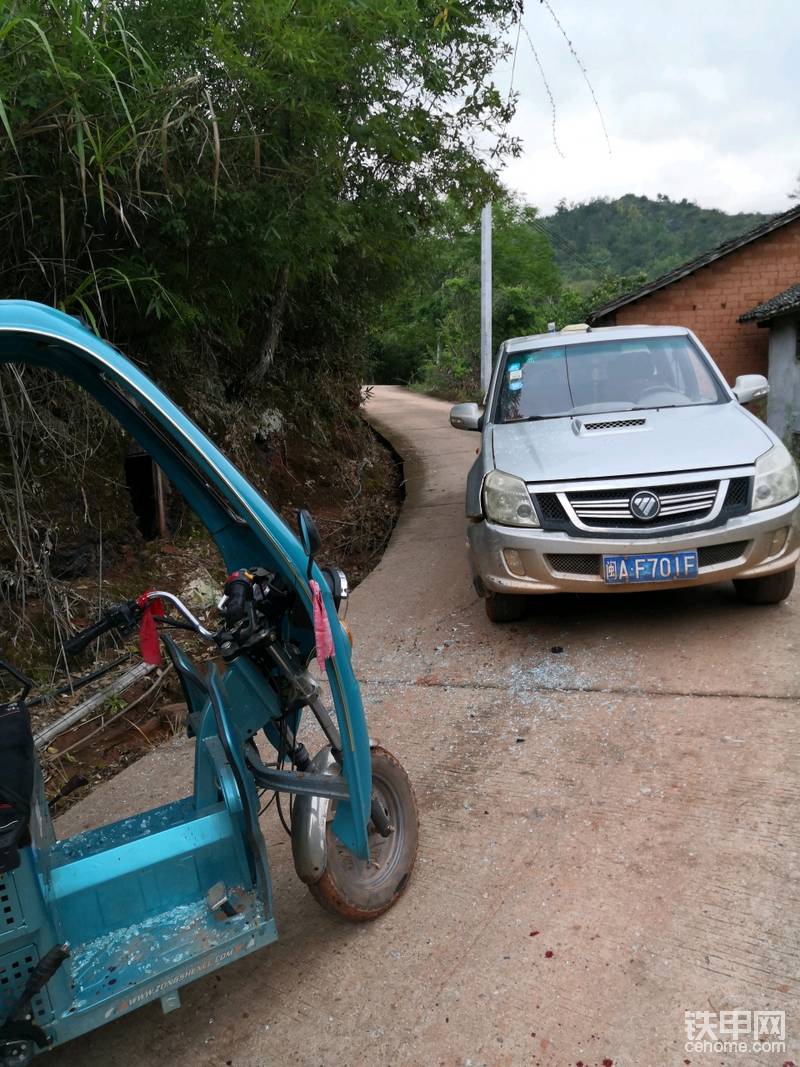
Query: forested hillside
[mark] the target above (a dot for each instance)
(635, 234)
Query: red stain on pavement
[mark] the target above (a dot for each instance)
(608, 1063)
(534, 933)
(549, 954)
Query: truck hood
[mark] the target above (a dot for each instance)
(670, 440)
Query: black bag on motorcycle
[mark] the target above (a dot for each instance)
(16, 781)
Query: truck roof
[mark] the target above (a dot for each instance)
(599, 333)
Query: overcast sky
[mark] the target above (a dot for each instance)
(701, 99)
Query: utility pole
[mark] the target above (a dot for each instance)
(486, 296)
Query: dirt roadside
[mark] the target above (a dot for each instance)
(608, 834)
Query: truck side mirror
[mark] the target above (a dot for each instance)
(750, 387)
(466, 417)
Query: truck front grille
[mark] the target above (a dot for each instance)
(679, 503)
(725, 553)
(605, 510)
(550, 510)
(574, 563)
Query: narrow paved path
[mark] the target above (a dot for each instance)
(608, 834)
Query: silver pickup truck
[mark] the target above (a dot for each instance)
(618, 459)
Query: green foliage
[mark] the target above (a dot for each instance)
(428, 336)
(634, 234)
(431, 330)
(228, 189)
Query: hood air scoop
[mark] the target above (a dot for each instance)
(581, 427)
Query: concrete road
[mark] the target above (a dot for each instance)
(608, 834)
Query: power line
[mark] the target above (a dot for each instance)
(565, 246)
(581, 67)
(547, 87)
(514, 62)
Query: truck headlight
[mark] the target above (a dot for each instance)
(776, 478)
(506, 500)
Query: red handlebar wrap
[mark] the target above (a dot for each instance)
(148, 634)
(322, 627)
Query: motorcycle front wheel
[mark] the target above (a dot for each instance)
(357, 890)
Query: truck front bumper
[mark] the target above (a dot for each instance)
(508, 559)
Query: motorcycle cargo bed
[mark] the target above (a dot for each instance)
(112, 877)
(152, 959)
(131, 900)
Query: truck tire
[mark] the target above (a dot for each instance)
(505, 607)
(771, 589)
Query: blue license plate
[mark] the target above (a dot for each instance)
(650, 567)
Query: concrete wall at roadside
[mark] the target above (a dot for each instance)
(783, 404)
(711, 300)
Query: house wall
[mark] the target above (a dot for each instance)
(710, 301)
(783, 404)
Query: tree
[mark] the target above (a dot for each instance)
(224, 177)
(432, 329)
(634, 233)
(229, 191)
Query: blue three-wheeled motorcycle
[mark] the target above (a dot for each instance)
(94, 926)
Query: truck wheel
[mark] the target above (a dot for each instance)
(358, 891)
(504, 607)
(771, 589)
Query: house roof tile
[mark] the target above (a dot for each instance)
(780, 304)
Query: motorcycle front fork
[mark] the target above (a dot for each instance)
(306, 694)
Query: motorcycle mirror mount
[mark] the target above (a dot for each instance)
(309, 536)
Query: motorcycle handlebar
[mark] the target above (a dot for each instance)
(125, 616)
(121, 616)
(178, 604)
(238, 591)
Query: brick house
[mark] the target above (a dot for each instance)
(710, 293)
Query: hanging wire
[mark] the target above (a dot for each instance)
(566, 247)
(514, 62)
(581, 68)
(547, 88)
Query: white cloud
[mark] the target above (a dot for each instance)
(701, 101)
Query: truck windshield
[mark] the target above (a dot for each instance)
(600, 376)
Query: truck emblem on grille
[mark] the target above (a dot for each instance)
(644, 505)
